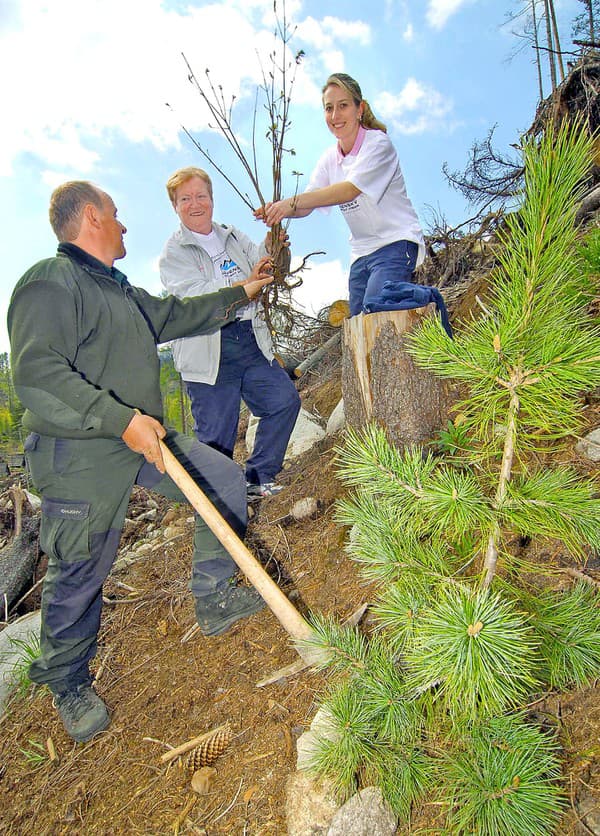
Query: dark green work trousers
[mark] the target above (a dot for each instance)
(85, 487)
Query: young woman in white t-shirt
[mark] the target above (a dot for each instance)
(362, 176)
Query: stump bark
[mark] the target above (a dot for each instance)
(380, 381)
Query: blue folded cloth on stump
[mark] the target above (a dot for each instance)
(400, 296)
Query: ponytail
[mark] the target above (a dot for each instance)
(369, 120)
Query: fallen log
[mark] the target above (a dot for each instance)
(19, 557)
(317, 355)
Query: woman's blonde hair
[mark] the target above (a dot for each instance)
(350, 85)
(182, 175)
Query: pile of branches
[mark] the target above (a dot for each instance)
(455, 256)
(577, 97)
(297, 335)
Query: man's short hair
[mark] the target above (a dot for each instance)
(182, 175)
(66, 207)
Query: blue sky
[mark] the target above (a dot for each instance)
(85, 84)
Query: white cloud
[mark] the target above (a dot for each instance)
(322, 283)
(322, 34)
(89, 74)
(409, 33)
(417, 108)
(264, 9)
(438, 11)
(53, 179)
(333, 62)
(324, 40)
(347, 30)
(151, 273)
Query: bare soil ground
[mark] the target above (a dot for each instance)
(162, 691)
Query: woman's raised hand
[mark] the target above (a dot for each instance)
(274, 213)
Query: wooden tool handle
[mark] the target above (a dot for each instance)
(284, 610)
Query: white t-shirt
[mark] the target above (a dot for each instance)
(226, 270)
(382, 213)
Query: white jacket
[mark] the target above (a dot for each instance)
(186, 269)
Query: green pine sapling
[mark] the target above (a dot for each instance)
(465, 632)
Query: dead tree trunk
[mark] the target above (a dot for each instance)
(538, 57)
(550, 43)
(380, 381)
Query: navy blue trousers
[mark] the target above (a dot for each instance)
(245, 374)
(395, 262)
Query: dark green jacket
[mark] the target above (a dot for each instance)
(83, 343)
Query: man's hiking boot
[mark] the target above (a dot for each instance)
(215, 613)
(82, 712)
(255, 492)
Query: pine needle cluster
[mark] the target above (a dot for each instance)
(568, 623)
(502, 779)
(480, 649)
(460, 638)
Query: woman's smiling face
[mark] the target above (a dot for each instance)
(342, 115)
(193, 203)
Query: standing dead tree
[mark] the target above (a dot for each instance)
(536, 26)
(585, 24)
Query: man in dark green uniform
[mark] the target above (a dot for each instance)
(85, 366)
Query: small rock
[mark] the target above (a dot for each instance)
(34, 501)
(365, 814)
(203, 779)
(307, 431)
(147, 515)
(172, 531)
(14, 641)
(304, 508)
(336, 420)
(322, 726)
(122, 563)
(590, 446)
(589, 810)
(170, 516)
(309, 806)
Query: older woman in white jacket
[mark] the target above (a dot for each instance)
(237, 363)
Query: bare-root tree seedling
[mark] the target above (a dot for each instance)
(275, 92)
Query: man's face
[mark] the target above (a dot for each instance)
(112, 229)
(194, 205)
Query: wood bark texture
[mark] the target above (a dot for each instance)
(380, 381)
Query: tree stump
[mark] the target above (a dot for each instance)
(380, 381)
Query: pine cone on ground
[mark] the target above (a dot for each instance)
(209, 750)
